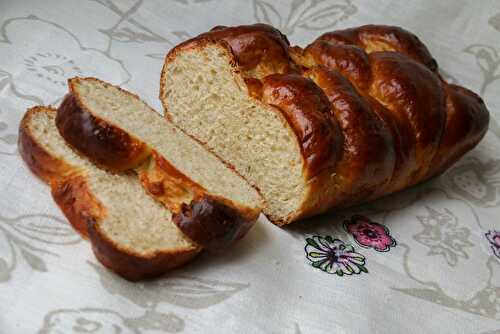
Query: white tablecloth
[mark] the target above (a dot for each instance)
(436, 268)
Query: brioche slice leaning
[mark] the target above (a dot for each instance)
(211, 203)
(131, 233)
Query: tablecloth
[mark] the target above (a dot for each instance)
(433, 268)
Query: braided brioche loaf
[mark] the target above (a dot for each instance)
(356, 115)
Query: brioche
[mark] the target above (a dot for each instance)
(357, 114)
(131, 233)
(212, 204)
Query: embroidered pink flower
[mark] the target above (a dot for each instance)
(369, 234)
(494, 239)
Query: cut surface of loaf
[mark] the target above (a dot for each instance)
(358, 114)
(249, 134)
(211, 203)
(130, 232)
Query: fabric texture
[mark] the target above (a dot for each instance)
(425, 260)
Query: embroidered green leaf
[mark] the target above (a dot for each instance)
(317, 264)
(349, 248)
(363, 268)
(316, 254)
(310, 241)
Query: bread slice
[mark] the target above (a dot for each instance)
(212, 204)
(131, 233)
(216, 107)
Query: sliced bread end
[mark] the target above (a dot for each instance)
(204, 92)
(130, 232)
(176, 170)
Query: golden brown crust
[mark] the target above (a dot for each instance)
(72, 193)
(40, 162)
(110, 146)
(350, 60)
(259, 49)
(131, 266)
(399, 121)
(466, 124)
(68, 184)
(404, 148)
(413, 93)
(373, 38)
(213, 222)
(105, 145)
(167, 184)
(368, 158)
(308, 111)
(395, 87)
(76, 201)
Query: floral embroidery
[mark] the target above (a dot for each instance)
(43, 68)
(369, 234)
(444, 236)
(303, 14)
(477, 182)
(494, 239)
(334, 256)
(100, 320)
(28, 239)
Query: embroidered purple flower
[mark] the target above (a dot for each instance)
(369, 234)
(334, 256)
(494, 239)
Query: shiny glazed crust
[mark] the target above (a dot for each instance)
(108, 146)
(72, 193)
(366, 104)
(211, 221)
(111, 147)
(214, 222)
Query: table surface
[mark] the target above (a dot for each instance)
(435, 267)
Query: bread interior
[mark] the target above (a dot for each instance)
(207, 99)
(133, 220)
(129, 113)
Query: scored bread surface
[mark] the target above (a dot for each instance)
(130, 232)
(356, 115)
